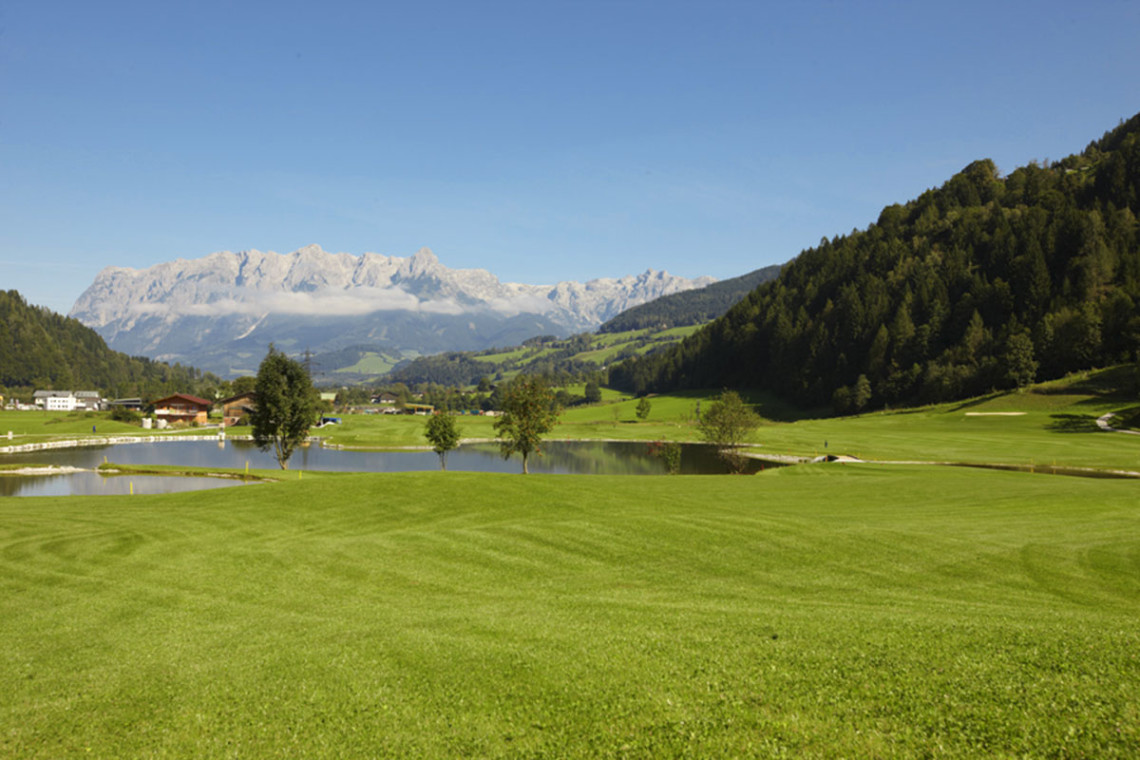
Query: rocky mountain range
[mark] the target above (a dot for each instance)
(221, 311)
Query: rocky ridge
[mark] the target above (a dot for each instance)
(227, 306)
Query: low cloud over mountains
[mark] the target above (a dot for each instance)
(220, 311)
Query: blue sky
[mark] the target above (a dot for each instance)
(543, 141)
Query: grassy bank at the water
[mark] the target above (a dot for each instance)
(1049, 424)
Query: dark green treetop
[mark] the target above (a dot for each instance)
(285, 407)
(528, 413)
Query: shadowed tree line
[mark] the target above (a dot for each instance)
(40, 349)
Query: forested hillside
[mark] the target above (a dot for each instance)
(578, 357)
(986, 282)
(40, 349)
(690, 307)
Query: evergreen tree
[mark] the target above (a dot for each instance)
(1020, 364)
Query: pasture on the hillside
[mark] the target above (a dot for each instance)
(817, 611)
(1050, 424)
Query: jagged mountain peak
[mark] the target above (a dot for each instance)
(176, 309)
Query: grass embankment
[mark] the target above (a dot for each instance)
(38, 427)
(177, 470)
(1049, 424)
(814, 611)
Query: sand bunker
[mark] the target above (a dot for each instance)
(994, 414)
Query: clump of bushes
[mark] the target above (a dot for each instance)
(122, 414)
(1129, 419)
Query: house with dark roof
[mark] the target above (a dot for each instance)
(236, 407)
(182, 407)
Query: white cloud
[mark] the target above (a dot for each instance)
(326, 303)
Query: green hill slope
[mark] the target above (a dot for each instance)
(986, 282)
(692, 307)
(42, 349)
(576, 355)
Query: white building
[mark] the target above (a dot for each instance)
(88, 400)
(54, 401)
(67, 401)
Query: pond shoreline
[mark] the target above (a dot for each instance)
(749, 451)
(76, 443)
(46, 469)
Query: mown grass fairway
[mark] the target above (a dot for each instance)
(39, 426)
(825, 610)
(1051, 423)
(27, 427)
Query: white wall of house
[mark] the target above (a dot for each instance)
(59, 403)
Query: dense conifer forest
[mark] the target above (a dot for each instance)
(40, 349)
(987, 282)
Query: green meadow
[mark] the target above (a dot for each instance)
(1050, 424)
(40, 426)
(817, 611)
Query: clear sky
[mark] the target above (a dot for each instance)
(543, 141)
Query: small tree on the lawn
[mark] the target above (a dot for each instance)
(528, 413)
(442, 433)
(285, 408)
(726, 423)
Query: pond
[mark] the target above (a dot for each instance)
(92, 483)
(560, 457)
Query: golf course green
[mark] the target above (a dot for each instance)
(817, 611)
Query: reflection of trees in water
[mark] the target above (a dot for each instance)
(616, 458)
(605, 458)
(581, 457)
(585, 457)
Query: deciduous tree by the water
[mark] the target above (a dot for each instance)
(726, 423)
(528, 413)
(443, 435)
(285, 408)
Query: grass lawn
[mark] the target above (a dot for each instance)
(35, 427)
(395, 430)
(1053, 422)
(819, 611)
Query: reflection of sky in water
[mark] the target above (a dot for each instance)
(94, 484)
(561, 457)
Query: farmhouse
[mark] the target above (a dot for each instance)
(236, 407)
(182, 407)
(385, 398)
(89, 400)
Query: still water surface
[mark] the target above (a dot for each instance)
(561, 457)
